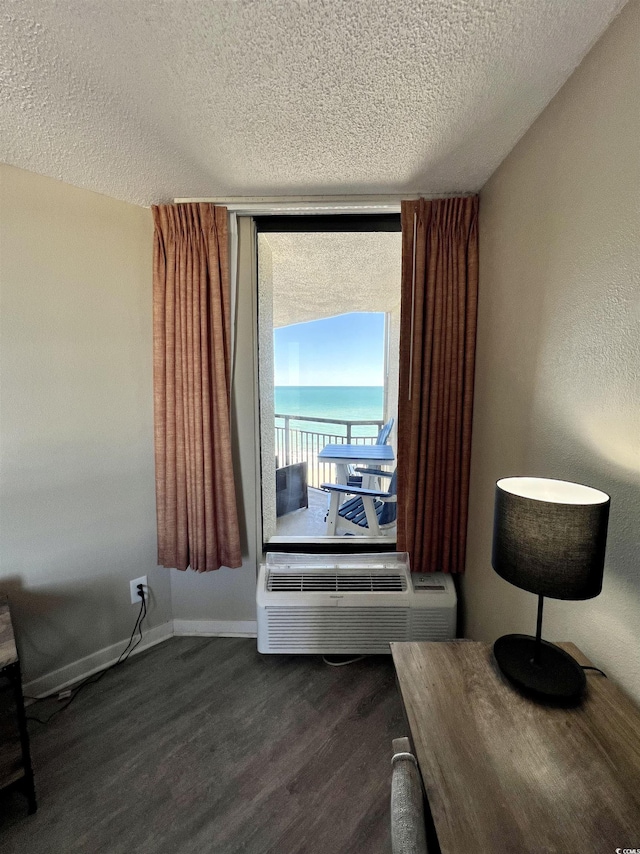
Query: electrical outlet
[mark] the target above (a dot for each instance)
(133, 586)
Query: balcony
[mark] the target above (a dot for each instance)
(328, 332)
(296, 441)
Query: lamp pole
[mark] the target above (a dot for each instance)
(536, 651)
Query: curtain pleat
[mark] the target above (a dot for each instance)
(195, 490)
(437, 360)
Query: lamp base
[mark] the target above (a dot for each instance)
(555, 678)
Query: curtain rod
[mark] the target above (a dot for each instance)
(321, 199)
(261, 205)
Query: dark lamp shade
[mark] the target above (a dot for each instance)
(549, 536)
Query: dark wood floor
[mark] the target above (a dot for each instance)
(203, 745)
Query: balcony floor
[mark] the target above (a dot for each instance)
(308, 522)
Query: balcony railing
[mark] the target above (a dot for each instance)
(296, 443)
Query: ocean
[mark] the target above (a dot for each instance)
(346, 403)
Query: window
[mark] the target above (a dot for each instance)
(328, 330)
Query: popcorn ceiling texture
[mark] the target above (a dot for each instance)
(363, 273)
(146, 101)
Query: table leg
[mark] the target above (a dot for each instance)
(29, 786)
(342, 476)
(332, 518)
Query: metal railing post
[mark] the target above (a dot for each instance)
(287, 448)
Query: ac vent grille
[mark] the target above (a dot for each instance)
(368, 630)
(430, 625)
(325, 582)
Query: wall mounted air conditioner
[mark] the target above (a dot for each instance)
(358, 604)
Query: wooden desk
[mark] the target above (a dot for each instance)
(505, 774)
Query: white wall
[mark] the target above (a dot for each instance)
(558, 359)
(77, 505)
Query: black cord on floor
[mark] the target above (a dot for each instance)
(96, 677)
(597, 669)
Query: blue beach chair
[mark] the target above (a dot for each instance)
(369, 513)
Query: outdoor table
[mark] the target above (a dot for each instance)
(343, 456)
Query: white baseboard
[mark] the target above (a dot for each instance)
(216, 628)
(59, 679)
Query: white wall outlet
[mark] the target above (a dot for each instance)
(133, 585)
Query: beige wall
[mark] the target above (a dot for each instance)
(77, 506)
(557, 383)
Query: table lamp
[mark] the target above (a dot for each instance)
(549, 538)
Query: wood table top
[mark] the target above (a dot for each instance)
(361, 453)
(8, 651)
(503, 773)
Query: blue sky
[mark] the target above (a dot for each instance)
(343, 350)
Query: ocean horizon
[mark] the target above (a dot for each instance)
(343, 403)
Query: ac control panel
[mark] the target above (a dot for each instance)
(428, 582)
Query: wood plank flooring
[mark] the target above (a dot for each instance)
(203, 745)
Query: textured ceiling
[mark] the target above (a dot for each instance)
(146, 100)
(314, 275)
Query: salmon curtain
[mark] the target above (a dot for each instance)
(195, 491)
(437, 355)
